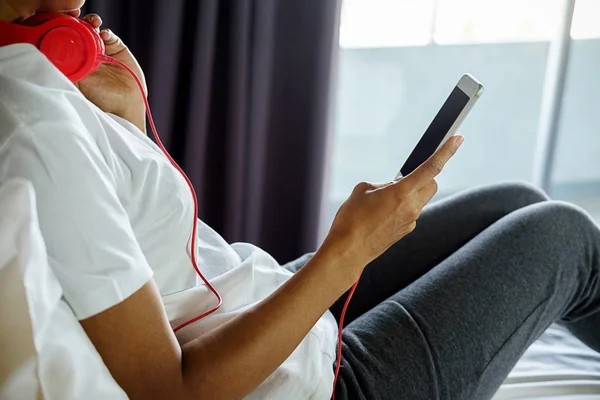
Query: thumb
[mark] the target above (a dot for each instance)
(369, 186)
(112, 43)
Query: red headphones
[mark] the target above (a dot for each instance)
(71, 44)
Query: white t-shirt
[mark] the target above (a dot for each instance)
(114, 213)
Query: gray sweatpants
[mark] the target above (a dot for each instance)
(448, 311)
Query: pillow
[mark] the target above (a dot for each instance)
(44, 350)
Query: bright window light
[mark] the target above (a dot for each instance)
(386, 23)
(398, 23)
(477, 21)
(586, 24)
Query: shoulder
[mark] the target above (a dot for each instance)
(43, 115)
(34, 130)
(48, 130)
(32, 91)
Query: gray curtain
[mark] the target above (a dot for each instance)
(240, 93)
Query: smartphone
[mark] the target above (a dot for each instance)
(446, 122)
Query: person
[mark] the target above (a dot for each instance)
(443, 310)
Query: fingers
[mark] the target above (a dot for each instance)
(112, 43)
(435, 164)
(109, 38)
(73, 13)
(94, 20)
(363, 187)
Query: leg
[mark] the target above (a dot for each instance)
(457, 331)
(443, 228)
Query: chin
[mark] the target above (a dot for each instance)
(61, 5)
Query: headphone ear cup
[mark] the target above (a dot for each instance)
(71, 44)
(65, 48)
(99, 43)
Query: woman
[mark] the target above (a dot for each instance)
(442, 313)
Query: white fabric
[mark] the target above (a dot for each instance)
(114, 213)
(45, 352)
(558, 367)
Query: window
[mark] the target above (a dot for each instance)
(385, 23)
(400, 59)
(585, 20)
(481, 21)
(394, 23)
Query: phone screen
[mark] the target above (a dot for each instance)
(436, 131)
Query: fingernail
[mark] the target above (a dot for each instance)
(459, 140)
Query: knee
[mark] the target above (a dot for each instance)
(567, 220)
(510, 196)
(567, 234)
(552, 233)
(521, 192)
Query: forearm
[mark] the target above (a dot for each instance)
(229, 362)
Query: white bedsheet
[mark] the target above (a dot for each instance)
(44, 351)
(557, 366)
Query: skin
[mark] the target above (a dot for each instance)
(111, 87)
(135, 338)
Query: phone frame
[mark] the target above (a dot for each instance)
(470, 86)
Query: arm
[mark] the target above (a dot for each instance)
(142, 353)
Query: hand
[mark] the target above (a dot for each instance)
(376, 216)
(111, 87)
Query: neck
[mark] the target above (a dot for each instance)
(8, 12)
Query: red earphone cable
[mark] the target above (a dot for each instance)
(195, 226)
(189, 183)
(339, 344)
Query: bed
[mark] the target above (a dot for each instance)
(46, 354)
(557, 367)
